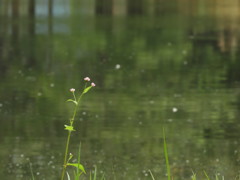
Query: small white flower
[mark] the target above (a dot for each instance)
(72, 89)
(93, 84)
(86, 79)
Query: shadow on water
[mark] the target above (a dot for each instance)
(155, 63)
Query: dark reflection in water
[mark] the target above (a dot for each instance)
(173, 64)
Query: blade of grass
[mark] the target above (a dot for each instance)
(194, 176)
(206, 175)
(30, 165)
(103, 178)
(166, 155)
(68, 176)
(151, 174)
(79, 158)
(95, 173)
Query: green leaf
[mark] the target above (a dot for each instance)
(77, 165)
(87, 89)
(70, 100)
(69, 128)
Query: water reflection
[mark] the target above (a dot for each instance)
(156, 64)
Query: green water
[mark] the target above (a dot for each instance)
(156, 64)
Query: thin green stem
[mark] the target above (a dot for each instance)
(30, 165)
(65, 156)
(151, 174)
(69, 136)
(74, 96)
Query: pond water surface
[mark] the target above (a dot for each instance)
(156, 64)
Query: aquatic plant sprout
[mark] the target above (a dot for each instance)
(70, 128)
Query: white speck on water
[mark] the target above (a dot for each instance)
(170, 120)
(53, 167)
(84, 113)
(140, 123)
(217, 160)
(176, 95)
(118, 66)
(174, 109)
(39, 94)
(151, 102)
(187, 161)
(146, 174)
(184, 52)
(191, 37)
(185, 62)
(96, 116)
(52, 157)
(38, 173)
(22, 155)
(100, 162)
(52, 85)
(1, 105)
(196, 159)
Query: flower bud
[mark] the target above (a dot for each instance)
(86, 79)
(72, 90)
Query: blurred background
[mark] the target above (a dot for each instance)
(172, 64)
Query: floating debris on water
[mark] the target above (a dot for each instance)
(174, 109)
(118, 66)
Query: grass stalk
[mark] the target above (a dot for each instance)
(66, 155)
(151, 174)
(166, 155)
(30, 165)
(206, 175)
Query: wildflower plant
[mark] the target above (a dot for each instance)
(70, 128)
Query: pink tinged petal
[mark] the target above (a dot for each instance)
(86, 79)
(93, 84)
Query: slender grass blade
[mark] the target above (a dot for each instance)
(166, 155)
